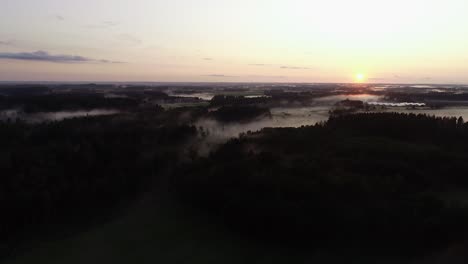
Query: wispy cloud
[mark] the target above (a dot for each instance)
(284, 67)
(59, 17)
(110, 23)
(103, 24)
(129, 39)
(45, 56)
(405, 77)
(268, 76)
(412, 78)
(6, 42)
(294, 68)
(220, 76)
(377, 79)
(208, 59)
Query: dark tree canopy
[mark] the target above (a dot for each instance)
(381, 180)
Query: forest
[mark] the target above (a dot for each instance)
(384, 182)
(65, 172)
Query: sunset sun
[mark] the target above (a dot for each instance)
(360, 77)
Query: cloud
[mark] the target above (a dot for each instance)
(404, 77)
(259, 64)
(109, 61)
(129, 39)
(45, 56)
(220, 76)
(377, 79)
(59, 17)
(281, 67)
(294, 68)
(208, 59)
(6, 42)
(110, 23)
(268, 76)
(412, 78)
(103, 24)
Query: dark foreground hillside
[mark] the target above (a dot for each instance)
(129, 188)
(394, 183)
(60, 176)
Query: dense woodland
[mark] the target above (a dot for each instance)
(64, 102)
(396, 183)
(33, 99)
(427, 97)
(65, 172)
(393, 182)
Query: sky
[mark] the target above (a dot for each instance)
(395, 41)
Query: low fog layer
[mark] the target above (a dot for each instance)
(366, 98)
(280, 117)
(14, 114)
(216, 132)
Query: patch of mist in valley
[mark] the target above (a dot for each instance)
(205, 96)
(17, 114)
(366, 98)
(213, 133)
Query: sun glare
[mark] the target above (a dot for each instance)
(360, 77)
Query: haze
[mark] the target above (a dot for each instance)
(397, 41)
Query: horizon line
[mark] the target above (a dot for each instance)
(219, 82)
